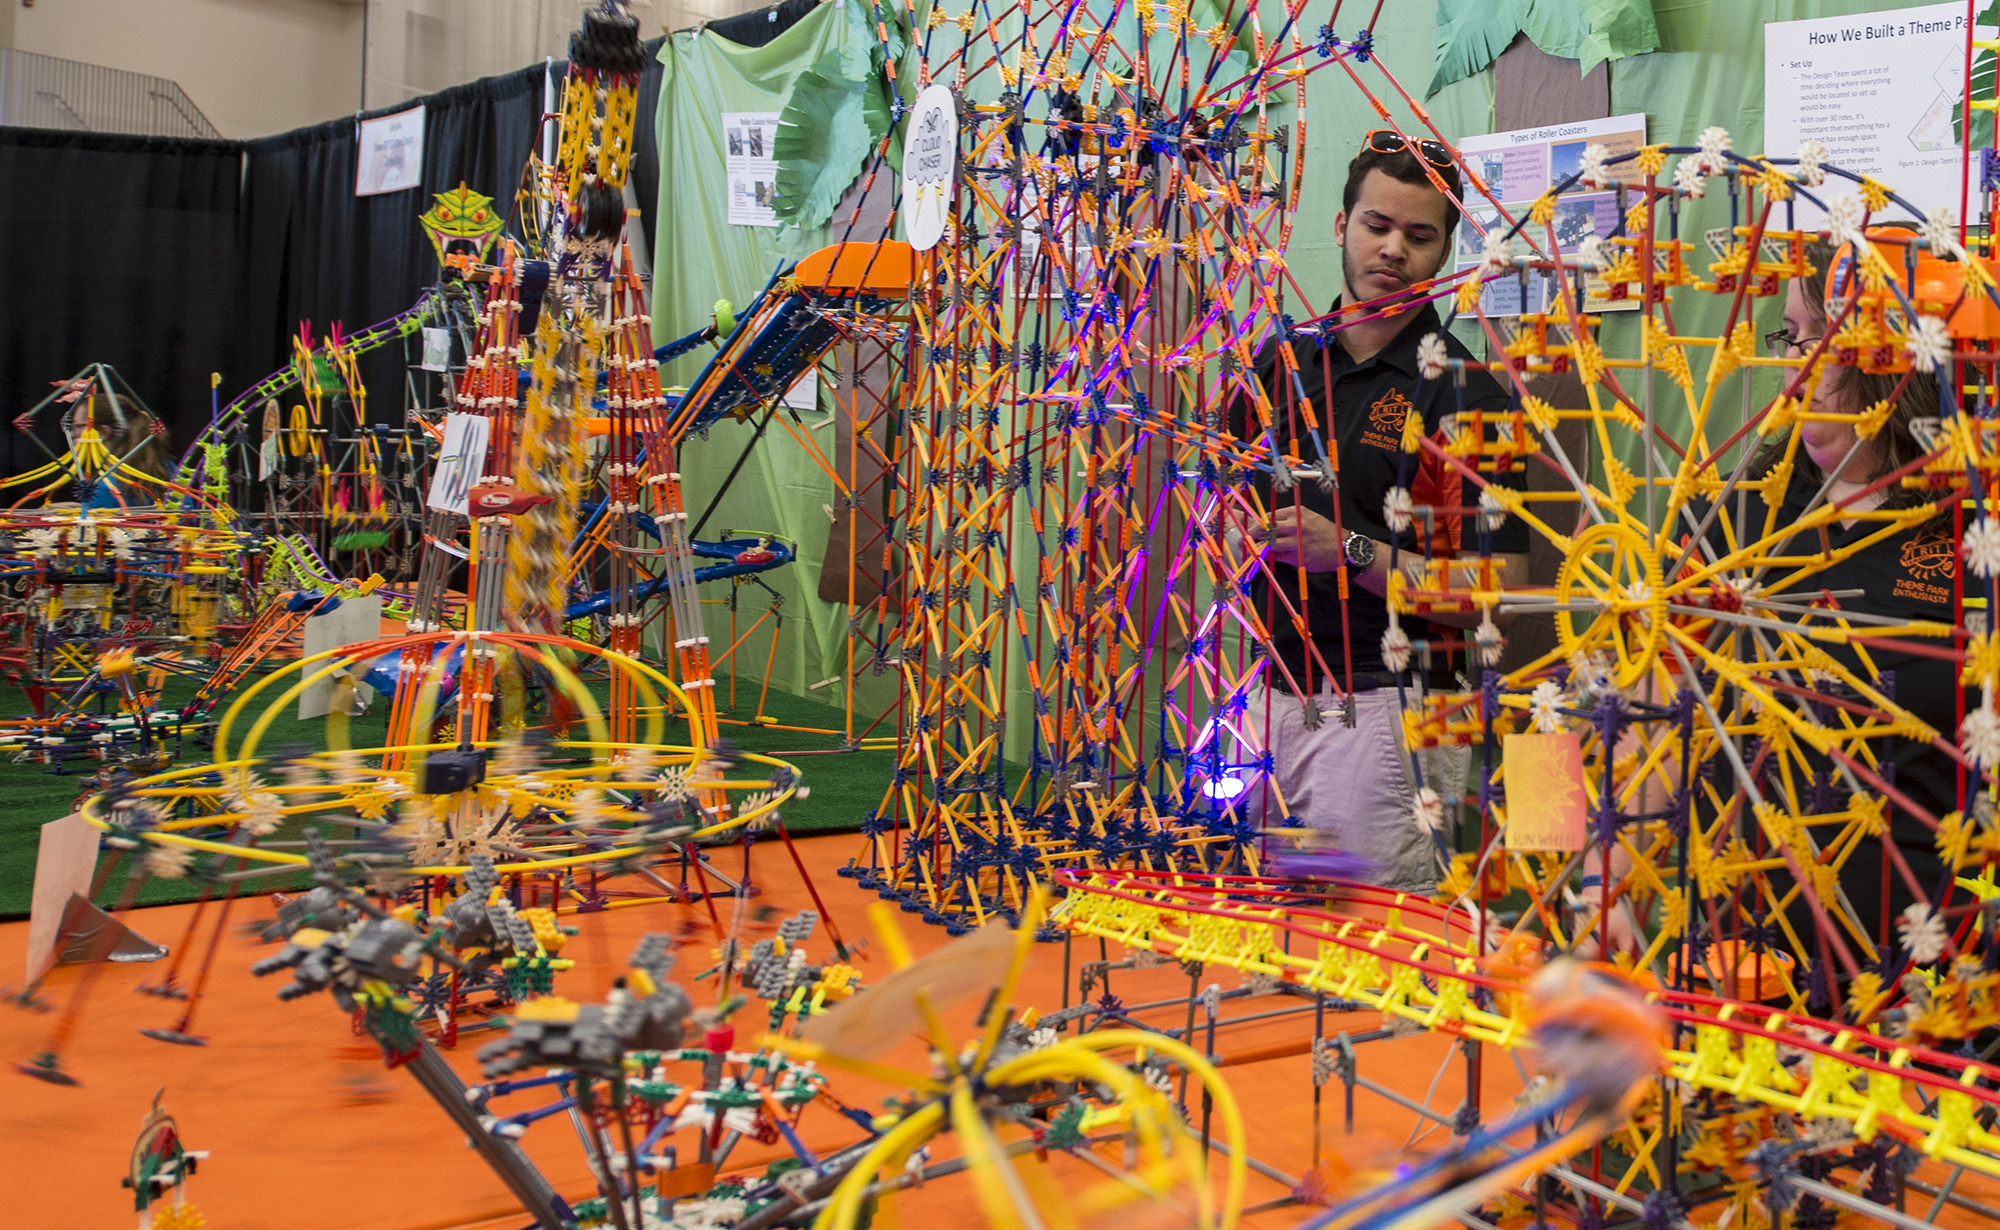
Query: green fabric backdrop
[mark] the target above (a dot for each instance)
(1473, 33)
(702, 258)
(1708, 70)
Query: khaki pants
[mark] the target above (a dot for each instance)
(1354, 784)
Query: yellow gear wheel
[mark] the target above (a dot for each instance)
(1611, 600)
(298, 438)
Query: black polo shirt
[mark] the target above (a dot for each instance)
(1366, 405)
(1904, 576)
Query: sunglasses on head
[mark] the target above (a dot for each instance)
(1388, 141)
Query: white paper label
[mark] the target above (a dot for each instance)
(930, 159)
(390, 154)
(437, 350)
(460, 460)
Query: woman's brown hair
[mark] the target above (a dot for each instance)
(1919, 398)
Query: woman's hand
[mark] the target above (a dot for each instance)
(1617, 923)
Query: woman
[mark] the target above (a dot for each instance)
(129, 437)
(1905, 575)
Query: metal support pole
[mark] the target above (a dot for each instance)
(503, 1155)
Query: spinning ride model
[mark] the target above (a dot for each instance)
(545, 819)
(662, 1095)
(1737, 733)
(1697, 640)
(661, 1117)
(585, 510)
(111, 564)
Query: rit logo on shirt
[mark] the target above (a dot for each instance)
(1929, 563)
(1385, 421)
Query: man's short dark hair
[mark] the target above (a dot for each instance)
(1401, 165)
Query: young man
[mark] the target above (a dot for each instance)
(1354, 783)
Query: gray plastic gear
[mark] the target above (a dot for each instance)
(597, 1037)
(799, 927)
(655, 955)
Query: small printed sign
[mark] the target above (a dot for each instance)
(391, 154)
(1547, 804)
(930, 160)
(460, 460)
(437, 350)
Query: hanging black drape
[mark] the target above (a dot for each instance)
(171, 259)
(756, 28)
(318, 253)
(120, 250)
(645, 150)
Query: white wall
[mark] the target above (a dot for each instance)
(254, 67)
(418, 46)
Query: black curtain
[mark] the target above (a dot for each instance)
(125, 251)
(645, 149)
(172, 259)
(754, 29)
(318, 253)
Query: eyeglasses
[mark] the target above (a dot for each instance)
(1781, 343)
(1389, 141)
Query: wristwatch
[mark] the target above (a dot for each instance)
(1359, 549)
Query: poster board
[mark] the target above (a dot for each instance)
(750, 158)
(1880, 91)
(1547, 808)
(1521, 165)
(354, 621)
(390, 154)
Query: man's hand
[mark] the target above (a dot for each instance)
(1299, 536)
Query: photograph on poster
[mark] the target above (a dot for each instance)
(1520, 166)
(1566, 157)
(749, 140)
(1472, 234)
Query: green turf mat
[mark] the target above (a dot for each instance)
(844, 786)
